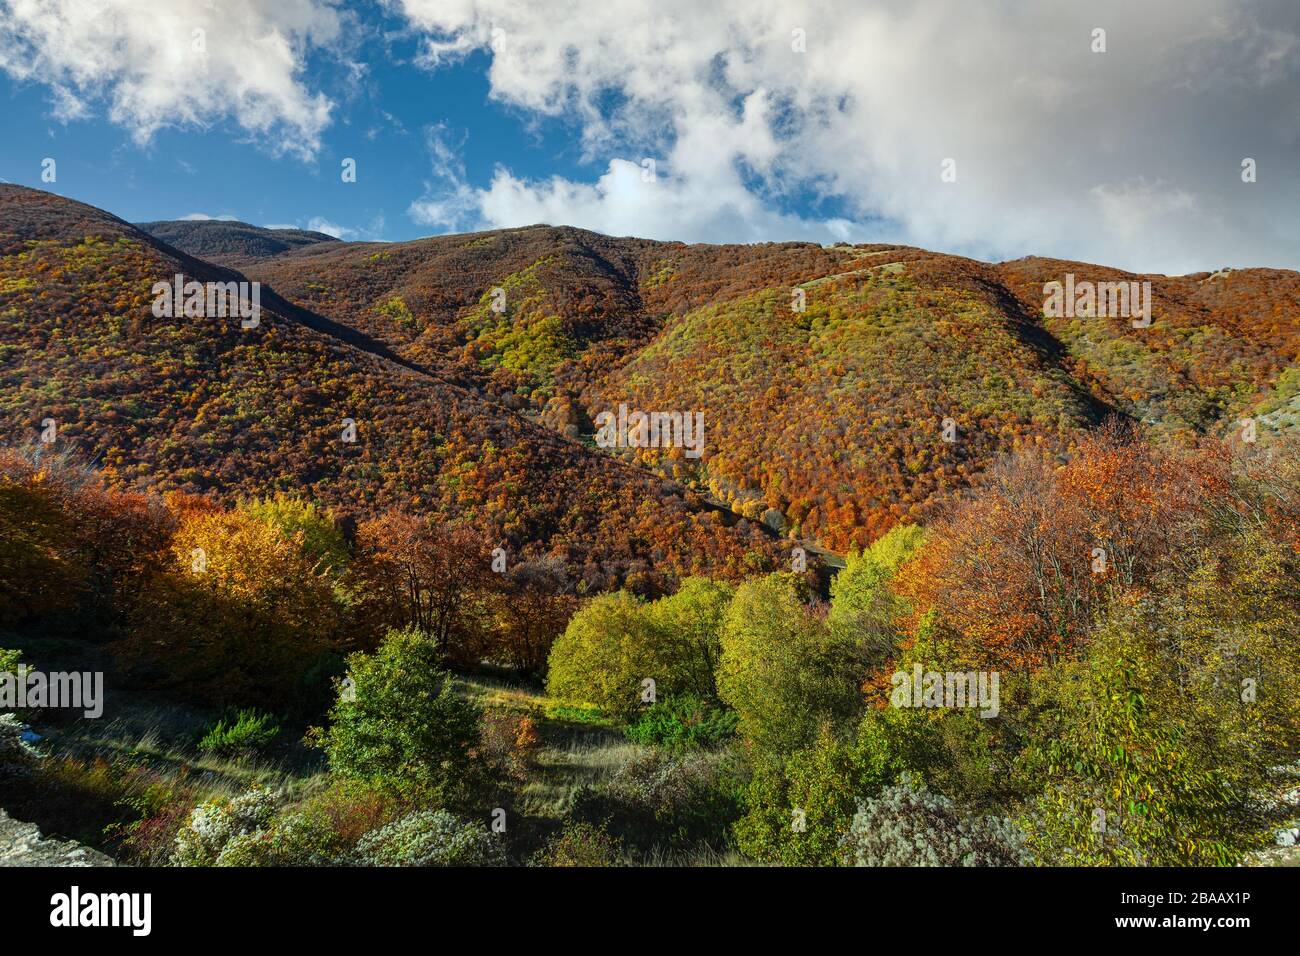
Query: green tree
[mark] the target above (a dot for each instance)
(690, 622)
(781, 669)
(863, 608)
(399, 724)
(615, 642)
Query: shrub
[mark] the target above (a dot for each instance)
(16, 754)
(216, 823)
(780, 668)
(401, 725)
(666, 801)
(910, 825)
(296, 839)
(580, 844)
(683, 722)
(430, 838)
(616, 641)
(508, 745)
(799, 808)
(240, 734)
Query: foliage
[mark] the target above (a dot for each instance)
(615, 642)
(1136, 780)
(215, 824)
(683, 722)
(401, 726)
(430, 838)
(781, 669)
(910, 825)
(240, 734)
(316, 530)
(580, 844)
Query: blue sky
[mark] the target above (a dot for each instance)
(1110, 132)
(225, 171)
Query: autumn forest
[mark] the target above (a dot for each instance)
(952, 582)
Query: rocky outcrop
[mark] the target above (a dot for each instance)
(21, 844)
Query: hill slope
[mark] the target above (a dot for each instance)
(230, 243)
(205, 405)
(831, 380)
(829, 420)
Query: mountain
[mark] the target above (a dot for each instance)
(227, 242)
(204, 405)
(828, 421)
(843, 389)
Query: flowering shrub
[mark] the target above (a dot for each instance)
(213, 825)
(911, 825)
(430, 838)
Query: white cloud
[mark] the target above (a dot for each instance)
(1129, 157)
(321, 224)
(204, 217)
(371, 233)
(179, 63)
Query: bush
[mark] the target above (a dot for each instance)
(910, 825)
(402, 727)
(616, 641)
(240, 734)
(296, 839)
(798, 808)
(580, 844)
(213, 825)
(781, 668)
(664, 801)
(430, 838)
(683, 722)
(508, 745)
(16, 754)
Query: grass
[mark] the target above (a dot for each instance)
(100, 777)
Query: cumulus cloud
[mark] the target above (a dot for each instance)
(751, 108)
(204, 217)
(179, 63)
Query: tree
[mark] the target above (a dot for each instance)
(530, 612)
(239, 615)
(863, 608)
(781, 669)
(1017, 575)
(419, 573)
(690, 622)
(399, 724)
(1130, 778)
(609, 648)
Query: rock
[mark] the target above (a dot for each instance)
(21, 844)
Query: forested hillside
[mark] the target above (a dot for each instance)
(205, 406)
(843, 389)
